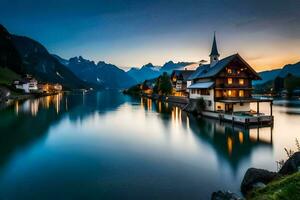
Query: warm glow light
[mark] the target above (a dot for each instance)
(241, 93)
(229, 93)
(241, 81)
(229, 81)
(229, 145)
(241, 137)
(17, 107)
(159, 106)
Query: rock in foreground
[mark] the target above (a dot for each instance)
(292, 165)
(255, 177)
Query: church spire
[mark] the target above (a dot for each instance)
(214, 55)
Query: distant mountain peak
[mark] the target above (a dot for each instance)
(149, 65)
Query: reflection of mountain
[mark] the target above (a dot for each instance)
(100, 102)
(32, 118)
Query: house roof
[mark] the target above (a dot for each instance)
(185, 73)
(203, 85)
(206, 71)
(214, 49)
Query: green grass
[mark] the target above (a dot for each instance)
(283, 189)
(7, 76)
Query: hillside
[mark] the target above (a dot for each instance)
(9, 56)
(271, 75)
(24, 55)
(7, 76)
(39, 63)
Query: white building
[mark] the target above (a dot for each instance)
(225, 85)
(27, 84)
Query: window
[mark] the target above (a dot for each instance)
(229, 71)
(229, 81)
(229, 93)
(241, 81)
(205, 92)
(241, 93)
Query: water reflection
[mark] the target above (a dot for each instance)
(233, 143)
(32, 106)
(106, 142)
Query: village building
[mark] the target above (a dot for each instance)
(147, 86)
(225, 84)
(28, 84)
(179, 79)
(49, 88)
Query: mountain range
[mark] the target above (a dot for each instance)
(107, 75)
(271, 75)
(26, 56)
(149, 71)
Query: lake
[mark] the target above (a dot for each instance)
(105, 145)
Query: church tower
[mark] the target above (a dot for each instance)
(214, 55)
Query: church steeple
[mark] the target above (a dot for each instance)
(214, 55)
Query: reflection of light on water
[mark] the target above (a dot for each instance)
(241, 137)
(66, 104)
(149, 104)
(159, 106)
(48, 101)
(57, 104)
(142, 103)
(229, 145)
(34, 107)
(17, 107)
(176, 117)
(188, 124)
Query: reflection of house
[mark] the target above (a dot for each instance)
(225, 85)
(179, 81)
(27, 84)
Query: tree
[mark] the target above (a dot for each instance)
(291, 83)
(164, 84)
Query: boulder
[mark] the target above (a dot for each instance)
(223, 195)
(255, 177)
(292, 165)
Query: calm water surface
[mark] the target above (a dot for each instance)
(109, 146)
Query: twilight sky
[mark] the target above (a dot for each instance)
(134, 32)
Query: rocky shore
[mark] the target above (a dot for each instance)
(262, 184)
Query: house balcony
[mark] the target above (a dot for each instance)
(233, 86)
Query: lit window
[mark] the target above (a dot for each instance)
(229, 81)
(229, 71)
(229, 93)
(241, 81)
(241, 93)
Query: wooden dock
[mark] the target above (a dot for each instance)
(240, 119)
